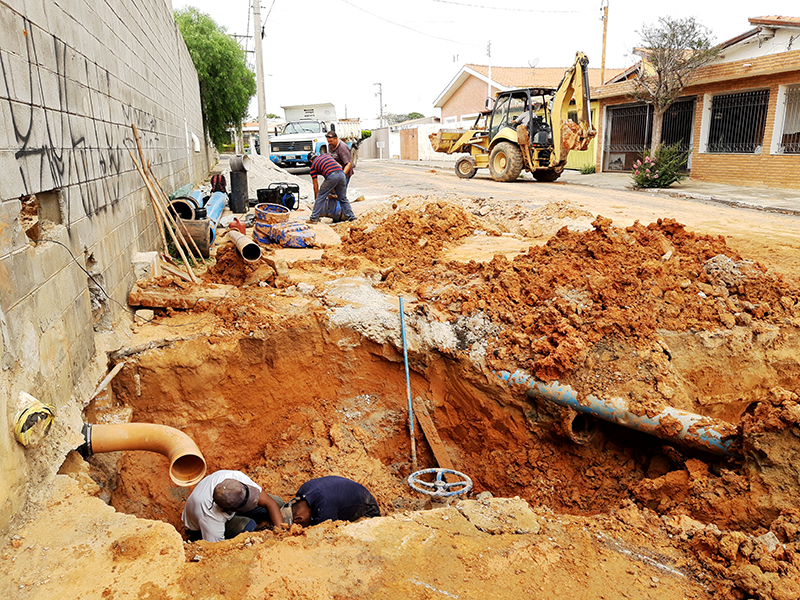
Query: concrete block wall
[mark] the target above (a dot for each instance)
(74, 76)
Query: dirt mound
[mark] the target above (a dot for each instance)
(420, 233)
(231, 269)
(560, 300)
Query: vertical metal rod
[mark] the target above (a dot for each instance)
(408, 390)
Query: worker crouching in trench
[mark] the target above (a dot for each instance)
(332, 498)
(227, 503)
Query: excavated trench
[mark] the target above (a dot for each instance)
(291, 404)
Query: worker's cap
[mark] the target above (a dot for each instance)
(331, 134)
(234, 496)
(312, 156)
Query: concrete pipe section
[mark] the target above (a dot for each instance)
(183, 207)
(186, 463)
(248, 249)
(239, 163)
(697, 431)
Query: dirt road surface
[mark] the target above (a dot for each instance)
(293, 368)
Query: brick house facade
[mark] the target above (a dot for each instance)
(745, 127)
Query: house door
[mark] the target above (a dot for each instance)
(409, 150)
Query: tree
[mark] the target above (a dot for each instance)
(394, 119)
(672, 52)
(226, 84)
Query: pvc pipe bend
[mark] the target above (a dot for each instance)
(186, 463)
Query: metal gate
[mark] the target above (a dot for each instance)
(678, 124)
(628, 135)
(629, 129)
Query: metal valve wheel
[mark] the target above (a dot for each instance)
(439, 488)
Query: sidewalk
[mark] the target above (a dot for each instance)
(786, 201)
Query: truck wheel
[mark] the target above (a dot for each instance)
(465, 167)
(505, 162)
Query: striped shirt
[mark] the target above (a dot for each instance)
(324, 165)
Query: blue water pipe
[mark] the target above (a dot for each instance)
(214, 208)
(697, 431)
(198, 198)
(408, 388)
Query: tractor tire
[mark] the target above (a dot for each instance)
(546, 175)
(505, 162)
(465, 167)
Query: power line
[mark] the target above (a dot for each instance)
(529, 10)
(269, 12)
(409, 28)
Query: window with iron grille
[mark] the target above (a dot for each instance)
(790, 138)
(738, 122)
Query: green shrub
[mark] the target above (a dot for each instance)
(588, 169)
(660, 170)
(226, 149)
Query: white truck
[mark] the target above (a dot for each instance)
(304, 132)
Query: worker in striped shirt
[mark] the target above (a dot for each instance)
(335, 181)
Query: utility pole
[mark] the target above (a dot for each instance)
(604, 19)
(489, 54)
(380, 99)
(258, 37)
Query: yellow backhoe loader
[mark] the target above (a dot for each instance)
(527, 128)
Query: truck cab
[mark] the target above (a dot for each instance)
(298, 138)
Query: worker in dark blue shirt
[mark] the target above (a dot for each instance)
(332, 498)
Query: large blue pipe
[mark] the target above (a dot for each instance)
(214, 208)
(198, 197)
(697, 431)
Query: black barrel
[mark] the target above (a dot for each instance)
(239, 203)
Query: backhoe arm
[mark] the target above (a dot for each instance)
(567, 135)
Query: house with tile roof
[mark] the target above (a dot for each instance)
(466, 94)
(739, 118)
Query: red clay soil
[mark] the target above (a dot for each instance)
(653, 313)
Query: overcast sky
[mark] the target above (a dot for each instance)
(337, 50)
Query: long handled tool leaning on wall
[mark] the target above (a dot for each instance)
(163, 216)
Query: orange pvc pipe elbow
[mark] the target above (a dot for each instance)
(186, 463)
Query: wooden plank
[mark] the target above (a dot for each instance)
(431, 434)
(117, 368)
(157, 297)
(175, 271)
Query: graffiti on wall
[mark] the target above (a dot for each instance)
(57, 147)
